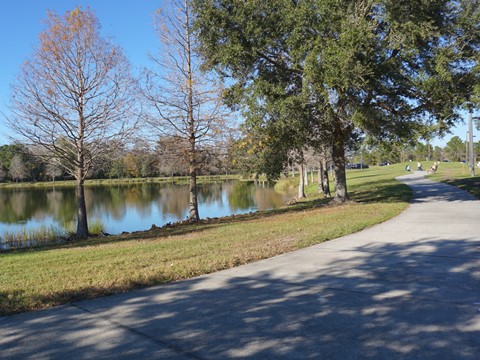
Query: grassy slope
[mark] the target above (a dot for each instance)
(458, 174)
(39, 278)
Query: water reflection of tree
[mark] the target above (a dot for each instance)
(67, 209)
(57, 205)
(246, 195)
(54, 200)
(103, 200)
(20, 205)
(23, 205)
(114, 201)
(141, 197)
(210, 193)
(241, 197)
(174, 200)
(268, 198)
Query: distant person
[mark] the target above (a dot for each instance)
(433, 168)
(407, 168)
(419, 166)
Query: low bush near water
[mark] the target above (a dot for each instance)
(44, 235)
(32, 237)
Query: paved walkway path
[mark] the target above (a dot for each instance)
(405, 289)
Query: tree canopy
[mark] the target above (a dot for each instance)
(387, 67)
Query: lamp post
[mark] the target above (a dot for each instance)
(470, 138)
(467, 145)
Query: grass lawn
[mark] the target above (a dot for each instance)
(458, 174)
(38, 278)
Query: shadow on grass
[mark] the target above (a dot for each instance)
(472, 185)
(387, 191)
(353, 176)
(385, 301)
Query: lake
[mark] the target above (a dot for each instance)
(131, 207)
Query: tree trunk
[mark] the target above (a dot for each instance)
(320, 177)
(338, 156)
(305, 174)
(193, 206)
(325, 181)
(82, 224)
(301, 185)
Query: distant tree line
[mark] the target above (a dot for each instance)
(454, 150)
(20, 162)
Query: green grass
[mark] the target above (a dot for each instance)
(32, 279)
(458, 174)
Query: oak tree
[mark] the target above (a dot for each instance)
(387, 67)
(455, 149)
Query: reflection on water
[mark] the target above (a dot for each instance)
(131, 207)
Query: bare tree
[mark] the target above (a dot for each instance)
(73, 96)
(53, 170)
(186, 101)
(17, 169)
(172, 156)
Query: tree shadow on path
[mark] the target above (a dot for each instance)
(378, 301)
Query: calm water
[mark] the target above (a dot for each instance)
(131, 207)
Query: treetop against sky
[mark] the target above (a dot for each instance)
(129, 23)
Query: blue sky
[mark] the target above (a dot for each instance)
(128, 22)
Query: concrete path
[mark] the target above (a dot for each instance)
(405, 289)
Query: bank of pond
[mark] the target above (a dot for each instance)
(35, 214)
